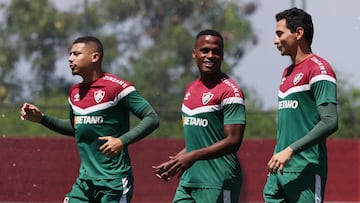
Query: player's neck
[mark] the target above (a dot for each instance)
(302, 53)
(93, 76)
(210, 77)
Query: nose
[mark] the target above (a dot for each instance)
(70, 58)
(210, 54)
(276, 40)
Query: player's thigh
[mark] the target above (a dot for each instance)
(305, 187)
(216, 195)
(78, 193)
(208, 195)
(115, 196)
(114, 190)
(183, 195)
(272, 190)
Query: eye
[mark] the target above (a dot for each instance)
(279, 33)
(214, 51)
(75, 53)
(204, 50)
(217, 51)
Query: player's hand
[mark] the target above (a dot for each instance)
(278, 161)
(175, 166)
(31, 112)
(182, 161)
(161, 171)
(111, 147)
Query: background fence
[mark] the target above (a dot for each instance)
(44, 169)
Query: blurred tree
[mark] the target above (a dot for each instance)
(33, 33)
(161, 64)
(146, 42)
(348, 110)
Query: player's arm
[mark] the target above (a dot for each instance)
(162, 170)
(234, 127)
(32, 113)
(327, 125)
(149, 120)
(184, 160)
(62, 126)
(230, 144)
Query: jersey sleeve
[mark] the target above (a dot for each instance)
(136, 103)
(323, 82)
(234, 108)
(149, 119)
(324, 92)
(234, 114)
(62, 126)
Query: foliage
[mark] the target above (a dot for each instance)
(32, 31)
(146, 42)
(348, 110)
(12, 125)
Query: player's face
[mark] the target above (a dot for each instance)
(208, 53)
(284, 40)
(80, 59)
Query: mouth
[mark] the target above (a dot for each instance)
(208, 63)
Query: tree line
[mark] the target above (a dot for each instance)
(146, 42)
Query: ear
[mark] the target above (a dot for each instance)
(95, 57)
(299, 33)
(193, 54)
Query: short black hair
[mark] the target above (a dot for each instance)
(295, 18)
(93, 40)
(210, 32)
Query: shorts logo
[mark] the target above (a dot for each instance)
(99, 95)
(66, 200)
(206, 97)
(297, 78)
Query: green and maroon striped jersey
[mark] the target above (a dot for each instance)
(303, 88)
(101, 108)
(205, 111)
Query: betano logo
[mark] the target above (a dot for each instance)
(88, 120)
(193, 121)
(288, 104)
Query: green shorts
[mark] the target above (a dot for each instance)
(211, 195)
(101, 191)
(304, 187)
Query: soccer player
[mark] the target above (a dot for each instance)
(213, 116)
(307, 115)
(99, 120)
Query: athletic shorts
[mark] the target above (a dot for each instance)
(208, 195)
(291, 187)
(100, 191)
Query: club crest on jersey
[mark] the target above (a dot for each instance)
(187, 95)
(206, 97)
(99, 95)
(77, 97)
(297, 78)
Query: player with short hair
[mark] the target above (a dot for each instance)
(307, 115)
(99, 121)
(213, 116)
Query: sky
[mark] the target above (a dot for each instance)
(336, 39)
